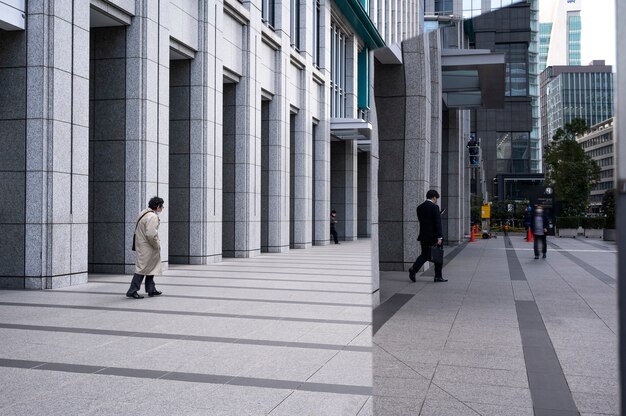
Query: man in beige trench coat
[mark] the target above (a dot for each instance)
(148, 248)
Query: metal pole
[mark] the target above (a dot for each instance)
(620, 188)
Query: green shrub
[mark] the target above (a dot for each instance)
(568, 222)
(592, 222)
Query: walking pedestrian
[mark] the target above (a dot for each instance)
(431, 233)
(148, 247)
(333, 222)
(540, 228)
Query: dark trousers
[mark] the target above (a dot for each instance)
(135, 284)
(544, 246)
(333, 232)
(423, 258)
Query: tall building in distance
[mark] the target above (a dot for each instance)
(569, 92)
(560, 32)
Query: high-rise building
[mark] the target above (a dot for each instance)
(599, 144)
(560, 29)
(569, 92)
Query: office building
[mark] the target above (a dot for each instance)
(599, 144)
(505, 133)
(569, 92)
(252, 119)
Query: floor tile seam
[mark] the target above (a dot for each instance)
(519, 268)
(186, 313)
(368, 293)
(451, 395)
(578, 295)
(481, 384)
(467, 288)
(100, 370)
(588, 268)
(213, 339)
(402, 362)
(255, 300)
(264, 280)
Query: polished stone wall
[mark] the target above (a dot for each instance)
(44, 121)
(408, 100)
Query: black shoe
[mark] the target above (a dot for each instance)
(536, 257)
(154, 293)
(440, 279)
(134, 295)
(411, 274)
(544, 256)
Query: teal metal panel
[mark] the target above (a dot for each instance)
(364, 79)
(355, 13)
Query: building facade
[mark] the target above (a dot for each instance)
(599, 144)
(569, 92)
(252, 119)
(505, 134)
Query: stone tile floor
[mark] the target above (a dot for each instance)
(507, 335)
(280, 334)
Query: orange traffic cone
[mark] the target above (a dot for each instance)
(472, 237)
(529, 236)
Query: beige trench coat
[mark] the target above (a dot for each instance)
(148, 245)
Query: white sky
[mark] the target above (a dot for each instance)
(598, 28)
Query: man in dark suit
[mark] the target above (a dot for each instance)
(431, 233)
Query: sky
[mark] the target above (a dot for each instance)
(598, 28)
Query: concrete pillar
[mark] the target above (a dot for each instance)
(247, 145)
(301, 195)
(422, 143)
(44, 146)
(344, 187)
(147, 119)
(453, 183)
(409, 135)
(321, 182)
(364, 208)
(205, 143)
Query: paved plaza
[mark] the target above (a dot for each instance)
(280, 334)
(506, 335)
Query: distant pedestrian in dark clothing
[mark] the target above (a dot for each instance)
(539, 229)
(333, 222)
(431, 233)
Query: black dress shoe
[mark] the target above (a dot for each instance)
(154, 293)
(440, 279)
(412, 274)
(134, 295)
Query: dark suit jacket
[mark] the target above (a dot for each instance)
(430, 223)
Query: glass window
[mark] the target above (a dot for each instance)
(443, 7)
(316, 33)
(516, 84)
(295, 24)
(267, 12)
(337, 72)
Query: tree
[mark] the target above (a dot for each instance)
(571, 173)
(608, 208)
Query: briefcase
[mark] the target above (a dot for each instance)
(436, 254)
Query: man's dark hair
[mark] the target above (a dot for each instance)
(432, 194)
(155, 202)
(333, 212)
